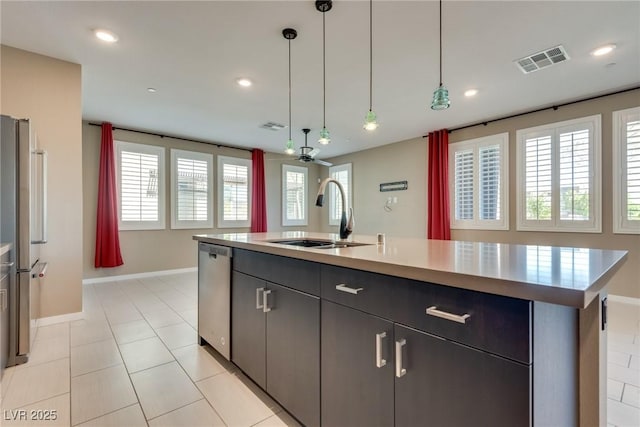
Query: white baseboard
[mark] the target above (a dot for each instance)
(52, 320)
(138, 275)
(626, 300)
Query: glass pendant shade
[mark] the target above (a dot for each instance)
(370, 121)
(440, 99)
(324, 136)
(290, 148)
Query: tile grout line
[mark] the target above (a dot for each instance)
(104, 415)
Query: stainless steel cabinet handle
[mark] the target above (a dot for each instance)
(380, 362)
(400, 371)
(433, 311)
(265, 301)
(259, 299)
(345, 288)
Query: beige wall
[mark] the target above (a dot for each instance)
(48, 91)
(407, 160)
(401, 161)
(157, 250)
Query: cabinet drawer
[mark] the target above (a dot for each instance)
(496, 324)
(294, 273)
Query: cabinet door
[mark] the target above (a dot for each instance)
(248, 326)
(293, 352)
(355, 392)
(448, 384)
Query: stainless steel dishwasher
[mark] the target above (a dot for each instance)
(214, 297)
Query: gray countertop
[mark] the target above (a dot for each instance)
(558, 275)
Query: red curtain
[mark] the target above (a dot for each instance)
(438, 225)
(107, 238)
(258, 196)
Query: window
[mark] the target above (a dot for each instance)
(234, 192)
(478, 179)
(626, 166)
(140, 181)
(559, 176)
(294, 195)
(191, 189)
(342, 174)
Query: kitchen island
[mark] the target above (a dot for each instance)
(421, 332)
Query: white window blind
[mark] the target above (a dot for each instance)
(538, 178)
(464, 185)
(234, 192)
(558, 172)
(140, 176)
(574, 176)
(479, 191)
(294, 195)
(342, 174)
(626, 158)
(191, 190)
(490, 176)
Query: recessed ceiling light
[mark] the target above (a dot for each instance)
(106, 36)
(471, 92)
(603, 50)
(244, 82)
(151, 89)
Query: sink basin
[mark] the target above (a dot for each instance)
(317, 244)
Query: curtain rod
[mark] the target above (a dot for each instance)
(554, 107)
(174, 137)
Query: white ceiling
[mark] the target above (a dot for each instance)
(192, 53)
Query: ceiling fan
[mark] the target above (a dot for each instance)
(308, 154)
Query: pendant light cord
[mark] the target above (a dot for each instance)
(324, 75)
(289, 89)
(440, 42)
(370, 54)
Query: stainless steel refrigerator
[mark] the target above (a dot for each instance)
(23, 226)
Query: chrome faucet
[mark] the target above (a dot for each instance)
(346, 226)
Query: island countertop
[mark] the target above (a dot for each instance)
(558, 275)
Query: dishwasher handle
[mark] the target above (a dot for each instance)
(215, 250)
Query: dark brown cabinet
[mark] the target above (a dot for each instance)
(356, 391)
(276, 341)
(443, 383)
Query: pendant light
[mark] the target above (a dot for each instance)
(370, 120)
(289, 34)
(441, 95)
(324, 6)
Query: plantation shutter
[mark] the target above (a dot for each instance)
(464, 185)
(537, 165)
(633, 171)
(193, 189)
(139, 186)
(295, 195)
(236, 192)
(575, 176)
(342, 176)
(490, 183)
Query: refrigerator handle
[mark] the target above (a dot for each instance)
(41, 194)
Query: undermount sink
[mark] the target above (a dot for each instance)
(317, 244)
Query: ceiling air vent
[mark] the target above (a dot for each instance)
(273, 126)
(543, 59)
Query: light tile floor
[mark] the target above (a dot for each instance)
(134, 361)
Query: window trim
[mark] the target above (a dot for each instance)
(621, 225)
(555, 224)
(160, 224)
(333, 188)
(193, 155)
(286, 222)
(222, 160)
(502, 140)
